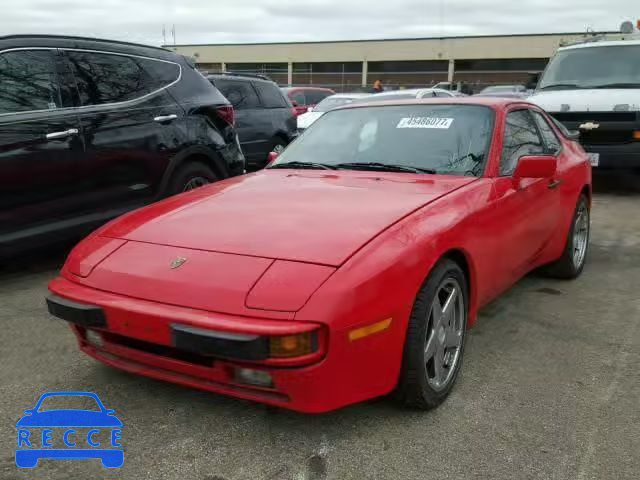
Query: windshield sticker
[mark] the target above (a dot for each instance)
(424, 122)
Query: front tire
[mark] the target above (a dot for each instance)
(574, 256)
(435, 339)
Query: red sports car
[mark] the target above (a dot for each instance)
(348, 269)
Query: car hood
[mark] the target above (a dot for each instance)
(587, 100)
(306, 119)
(297, 215)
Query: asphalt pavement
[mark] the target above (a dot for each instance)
(550, 389)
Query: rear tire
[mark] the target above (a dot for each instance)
(435, 340)
(189, 176)
(574, 256)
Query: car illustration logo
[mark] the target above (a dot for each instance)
(589, 126)
(178, 262)
(43, 433)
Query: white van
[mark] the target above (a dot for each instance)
(594, 88)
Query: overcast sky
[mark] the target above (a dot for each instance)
(221, 21)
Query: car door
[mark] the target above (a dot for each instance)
(277, 116)
(40, 148)
(130, 125)
(248, 110)
(529, 208)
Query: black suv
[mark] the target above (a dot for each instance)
(265, 118)
(92, 128)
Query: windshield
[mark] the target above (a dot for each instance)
(591, 67)
(447, 139)
(330, 103)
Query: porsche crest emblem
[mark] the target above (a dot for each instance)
(177, 262)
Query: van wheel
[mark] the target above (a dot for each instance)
(190, 176)
(435, 338)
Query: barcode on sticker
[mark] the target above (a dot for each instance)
(424, 122)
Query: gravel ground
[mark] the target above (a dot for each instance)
(550, 389)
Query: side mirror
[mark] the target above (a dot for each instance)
(574, 135)
(310, 109)
(294, 103)
(272, 157)
(536, 166)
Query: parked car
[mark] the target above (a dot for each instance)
(265, 120)
(338, 100)
(304, 98)
(349, 268)
(458, 88)
(90, 129)
(509, 91)
(407, 94)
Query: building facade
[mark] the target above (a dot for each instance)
(398, 63)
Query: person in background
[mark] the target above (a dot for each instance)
(377, 87)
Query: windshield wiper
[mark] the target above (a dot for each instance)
(561, 85)
(384, 167)
(303, 165)
(617, 85)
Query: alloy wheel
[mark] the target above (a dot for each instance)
(445, 330)
(580, 235)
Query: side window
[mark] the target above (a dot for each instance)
(159, 74)
(520, 138)
(107, 78)
(316, 96)
(299, 98)
(270, 95)
(240, 94)
(550, 139)
(28, 81)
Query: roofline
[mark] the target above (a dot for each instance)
(589, 34)
(89, 39)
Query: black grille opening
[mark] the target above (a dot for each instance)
(595, 116)
(160, 350)
(604, 137)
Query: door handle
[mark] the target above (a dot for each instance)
(165, 118)
(63, 134)
(553, 184)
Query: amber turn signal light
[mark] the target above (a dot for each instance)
(288, 346)
(636, 135)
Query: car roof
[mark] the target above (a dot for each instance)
(350, 95)
(319, 89)
(239, 77)
(600, 43)
(496, 103)
(62, 41)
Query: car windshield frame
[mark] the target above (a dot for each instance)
(556, 78)
(475, 155)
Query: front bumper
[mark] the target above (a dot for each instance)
(137, 336)
(616, 156)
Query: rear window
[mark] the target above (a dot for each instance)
(240, 94)
(270, 95)
(316, 96)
